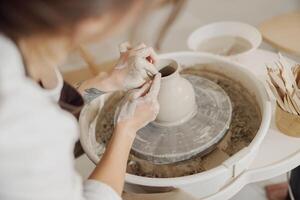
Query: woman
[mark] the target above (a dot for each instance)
(37, 137)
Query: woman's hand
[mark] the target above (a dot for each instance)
(139, 107)
(135, 66)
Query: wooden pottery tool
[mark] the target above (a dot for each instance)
(283, 82)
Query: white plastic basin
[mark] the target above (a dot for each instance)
(212, 180)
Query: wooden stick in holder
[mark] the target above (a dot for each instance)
(287, 123)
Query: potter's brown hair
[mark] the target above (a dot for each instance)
(19, 18)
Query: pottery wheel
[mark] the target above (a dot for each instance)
(163, 145)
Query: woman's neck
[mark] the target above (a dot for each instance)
(41, 56)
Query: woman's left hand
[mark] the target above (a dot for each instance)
(135, 66)
(138, 107)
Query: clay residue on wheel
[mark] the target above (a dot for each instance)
(105, 123)
(246, 117)
(245, 123)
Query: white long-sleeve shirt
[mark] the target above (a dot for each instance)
(37, 140)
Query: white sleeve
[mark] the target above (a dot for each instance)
(36, 149)
(93, 189)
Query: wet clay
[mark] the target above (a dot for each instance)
(166, 71)
(245, 123)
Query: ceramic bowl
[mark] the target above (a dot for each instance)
(219, 29)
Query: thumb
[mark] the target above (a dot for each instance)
(141, 91)
(155, 87)
(125, 46)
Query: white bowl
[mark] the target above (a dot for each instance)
(218, 29)
(212, 180)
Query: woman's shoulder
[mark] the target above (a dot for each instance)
(21, 98)
(24, 109)
(9, 52)
(12, 73)
(7, 46)
(11, 63)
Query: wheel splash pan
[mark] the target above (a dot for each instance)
(211, 180)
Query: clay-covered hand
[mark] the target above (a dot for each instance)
(139, 106)
(135, 66)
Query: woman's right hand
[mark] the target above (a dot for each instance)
(139, 107)
(135, 66)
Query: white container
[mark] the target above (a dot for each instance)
(219, 29)
(211, 181)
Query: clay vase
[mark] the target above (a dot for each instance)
(176, 97)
